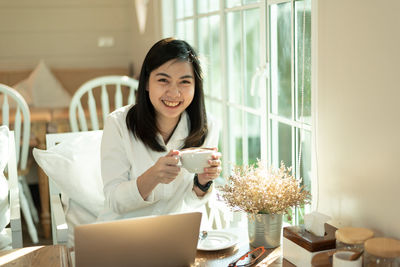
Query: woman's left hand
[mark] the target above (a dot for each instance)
(213, 171)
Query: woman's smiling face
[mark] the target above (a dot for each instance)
(171, 89)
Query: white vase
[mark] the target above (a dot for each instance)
(265, 230)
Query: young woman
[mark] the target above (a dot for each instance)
(141, 143)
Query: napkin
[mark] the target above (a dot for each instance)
(314, 222)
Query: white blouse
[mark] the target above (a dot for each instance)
(124, 158)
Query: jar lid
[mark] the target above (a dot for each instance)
(353, 235)
(383, 247)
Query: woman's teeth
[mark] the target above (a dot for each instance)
(171, 103)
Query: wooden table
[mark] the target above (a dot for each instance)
(38, 256)
(59, 256)
(273, 257)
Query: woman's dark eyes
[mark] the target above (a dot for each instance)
(162, 80)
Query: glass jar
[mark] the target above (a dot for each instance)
(382, 252)
(352, 238)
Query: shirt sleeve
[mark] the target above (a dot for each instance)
(121, 192)
(191, 199)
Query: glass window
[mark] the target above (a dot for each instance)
(234, 57)
(205, 6)
(184, 30)
(209, 50)
(281, 143)
(257, 78)
(251, 56)
(183, 8)
(303, 58)
(281, 59)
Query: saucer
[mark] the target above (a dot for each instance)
(217, 240)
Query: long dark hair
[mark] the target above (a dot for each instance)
(141, 117)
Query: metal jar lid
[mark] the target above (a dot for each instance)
(353, 235)
(383, 247)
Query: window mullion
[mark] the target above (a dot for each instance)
(195, 24)
(245, 146)
(293, 87)
(225, 108)
(264, 88)
(268, 93)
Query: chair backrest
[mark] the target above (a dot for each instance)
(76, 111)
(15, 211)
(20, 124)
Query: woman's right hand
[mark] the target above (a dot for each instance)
(165, 170)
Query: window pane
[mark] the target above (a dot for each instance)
(252, 56)
(250, 1)
(204, 6)
(305, 170)
(184, 30)
(303, 17)
(236, 138)
(280, 59)
(183, 8)
(210, 54)
(214, 109)
(305, 163)
(253, 131)
(281, 144)
(234, 72)
(232, 3)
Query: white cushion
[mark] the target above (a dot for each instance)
(42, 89)
(76, 214)
(74, 166)
(4, 206)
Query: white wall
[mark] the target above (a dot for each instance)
(142, 42)
(65, 33)
(358, 127)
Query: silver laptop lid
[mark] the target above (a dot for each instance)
(167, 240)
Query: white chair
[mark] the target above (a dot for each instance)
(59, 224)
(28, 208)
(76, 111)
(14, 230)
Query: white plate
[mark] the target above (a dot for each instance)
(217, 240)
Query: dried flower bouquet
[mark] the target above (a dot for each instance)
(264, 190)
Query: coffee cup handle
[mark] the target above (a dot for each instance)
(179, 162)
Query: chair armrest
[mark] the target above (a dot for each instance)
(59, 225)
(15, 219)
(15, 210)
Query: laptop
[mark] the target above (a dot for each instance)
(166, 240)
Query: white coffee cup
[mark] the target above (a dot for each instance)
(342, 259)
(195, 160)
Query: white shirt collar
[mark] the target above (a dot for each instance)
(179, 135)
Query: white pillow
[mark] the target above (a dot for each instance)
(74, 166)
(4, 206)
(42, 89)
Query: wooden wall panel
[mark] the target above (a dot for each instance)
(65, 33)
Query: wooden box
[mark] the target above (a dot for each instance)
(299, 245)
